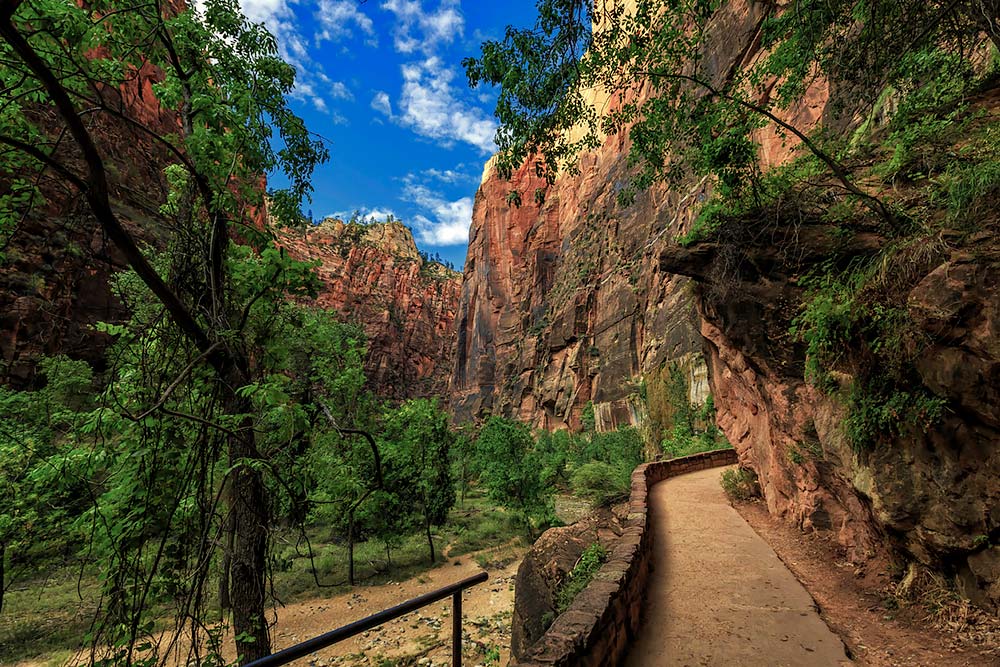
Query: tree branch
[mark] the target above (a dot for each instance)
(873, 202)
(365, 434)
(176, 383)
(97, 192)
(46, 160)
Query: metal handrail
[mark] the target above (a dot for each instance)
(357, 627)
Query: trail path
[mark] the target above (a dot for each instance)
(718, 594)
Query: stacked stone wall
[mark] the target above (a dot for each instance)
(602, 621)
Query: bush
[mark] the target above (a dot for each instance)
(878, 412)
(601, 483)
(581, 575)
(740, 484)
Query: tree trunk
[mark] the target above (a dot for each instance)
(430, 541)
(225, 604)
(249, 516)
(350, 549)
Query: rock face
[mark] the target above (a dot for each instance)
(55, 278)
(551, 558)
(567, 302)
(373, 275)
(564, 304)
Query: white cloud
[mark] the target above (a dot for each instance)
(429, 106)
(451, 176)
(339, 18)
(379, 213)
(340, 91)
(381, 103)
(418, 29)
(450, 225)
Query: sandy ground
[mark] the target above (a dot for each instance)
(853, 602)
(718, 594)
(419, 638)
(424, 636)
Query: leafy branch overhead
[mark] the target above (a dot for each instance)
(589, 69)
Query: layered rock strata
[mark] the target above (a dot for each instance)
(373, 275)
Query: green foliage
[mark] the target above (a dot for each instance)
(971, 190)
(878, 411)
(694, 429)
(417, 468)
(587, 420)
(580, 576)
(601, 483)
(739, 484)
(775, 190)
(511, 470)
(846, 326)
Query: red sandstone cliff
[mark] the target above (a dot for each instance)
(567, 303)
(55, 278)
(373, 275)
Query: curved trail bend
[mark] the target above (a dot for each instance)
(718, 594)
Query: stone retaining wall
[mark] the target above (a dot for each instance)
(600, 624)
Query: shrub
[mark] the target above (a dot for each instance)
(581, 575)
(878, 412)
(740, 484)
(601, 483)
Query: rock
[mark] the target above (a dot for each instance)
(544, 567)
(374, 275)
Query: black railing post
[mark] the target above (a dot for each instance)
(456, 629)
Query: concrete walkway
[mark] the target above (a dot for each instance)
(718, 594)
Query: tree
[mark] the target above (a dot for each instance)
(511, 470)
(66, 69)
(683, 116)
(36, 506)
(463, 459)
(418, 465)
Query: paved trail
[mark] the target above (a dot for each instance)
(718, 594)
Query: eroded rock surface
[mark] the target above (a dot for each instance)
(374, 275)
(545, 567)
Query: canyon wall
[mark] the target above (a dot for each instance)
(579, 299)
(373, 275)
(564, 303)
(57, 264)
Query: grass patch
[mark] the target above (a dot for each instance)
(601, 483)
(51, 613)
(581, 575)
(740, 484)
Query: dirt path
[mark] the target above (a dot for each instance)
(718, 594)
(420, 638)
(423, 636)
(855, 603)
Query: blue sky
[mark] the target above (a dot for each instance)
(382, 81)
